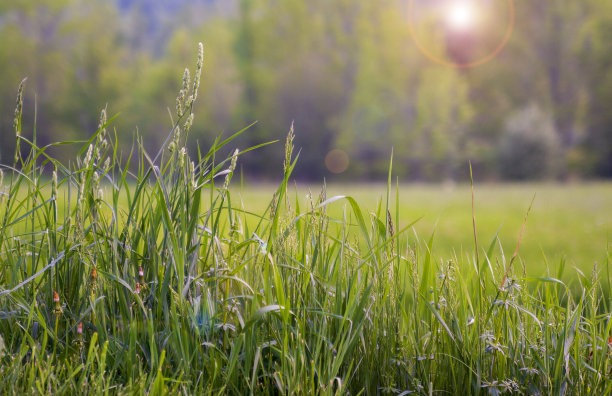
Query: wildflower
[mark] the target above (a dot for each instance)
(487, 336)
(512, 285)
(80, 341)
(495, 347)
(141, 275)
(57, 309)
(92, 280)
(137, 288)
(529, 370)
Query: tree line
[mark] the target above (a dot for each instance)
(347, 73)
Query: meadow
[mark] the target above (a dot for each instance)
(568, 222)
(160, 274)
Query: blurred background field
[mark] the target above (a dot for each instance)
(570, 222)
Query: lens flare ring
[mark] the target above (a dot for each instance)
(466, 65)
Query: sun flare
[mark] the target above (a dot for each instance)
(461, 15)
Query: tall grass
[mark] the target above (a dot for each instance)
(156, 281)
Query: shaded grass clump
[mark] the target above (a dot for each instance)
(157, 281)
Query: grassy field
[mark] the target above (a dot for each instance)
(167, 281)
(567, 221)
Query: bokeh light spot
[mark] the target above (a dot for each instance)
(337, 161)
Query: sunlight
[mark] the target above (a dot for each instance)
(461, 15)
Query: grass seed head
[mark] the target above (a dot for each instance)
(186, 80)
(101, 125)
(176, 141)
(289, 148)
(53, 184)
(19, 108)
(198, 71)
(180, 102)
(188, 122)
(106, 165)
(88, 156)
(231, 169)
(182, 156)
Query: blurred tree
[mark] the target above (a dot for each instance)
(400, 100)
(295, 78)
(380, 107)
(597, 66)
(549, 30)
(529, 147)
(68, 50)
(346, 71)
(443, 114)
(29, 49)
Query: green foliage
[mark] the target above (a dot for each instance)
(157, 281)
(597, 60)
(529, 146)
(346, 72)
